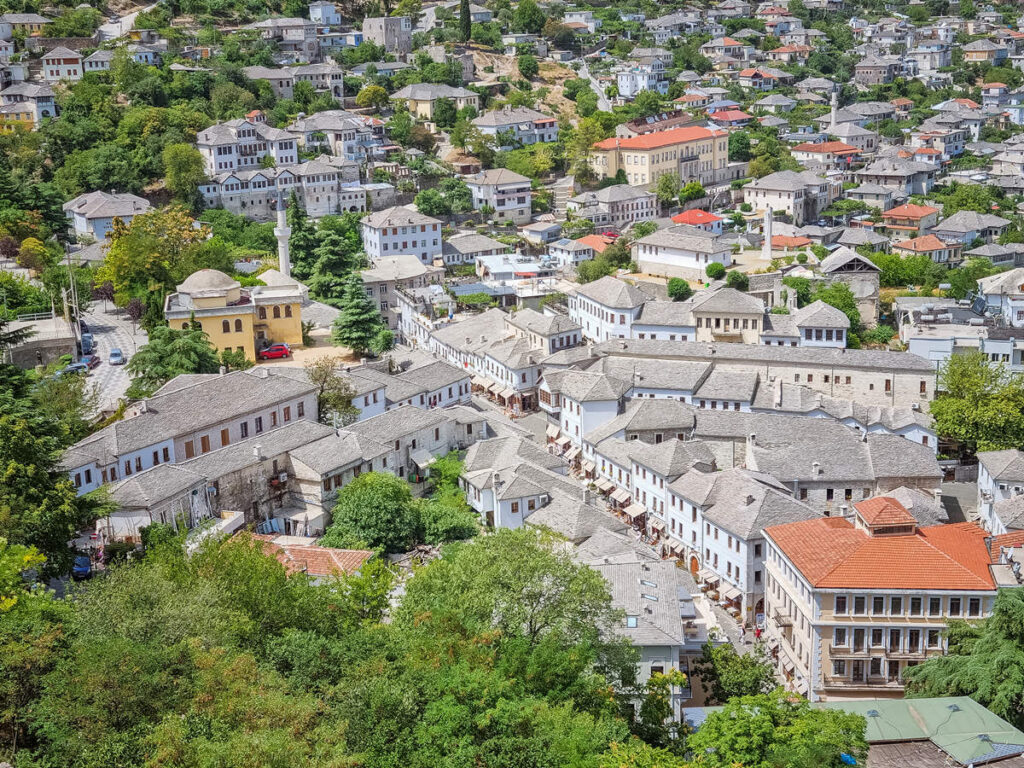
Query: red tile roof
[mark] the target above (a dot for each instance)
(967, 103)
(994, 85)
(730, 114)
(900, 101)
(730, 41)
(832, 554)
(923, 244)
(827, 147)
(660, 138)
(884, 510)
(750, 72)
(909, 211)
(695, 217)
(314, 560)
(787, 241)
(1011, 539)
(597, 242)
(791, 49)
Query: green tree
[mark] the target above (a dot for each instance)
(445, 113)
(726, 674)
(383, 341)
(528, 17)
(69, 402)
(430, 202)
(983, 660)
(737, 280)
(527, 66)
(778, 729)
(739, 147)
(642, 229)
(376, 508)
(638, 754)
(184, 171)
(715, 270)
(334, 393)
(980, 404)
(679, 289)
(170, 352)
(372, 96)
(359, 320)
(302, 241)
(668, 187)
(465, 21)
(691, 191)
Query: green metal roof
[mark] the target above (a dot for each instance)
(958, 725)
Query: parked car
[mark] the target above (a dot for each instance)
(274, 351)
(82, 569)
(116, 357)
(88, 344)
(610, 235)
(74, 369)
(91, 361)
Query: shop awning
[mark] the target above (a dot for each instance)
(572, 453)
(506, 394)
(495, 388)
(708, 577)
(658, 525)
(675, 546)
(422, 458)
(788, 666)
(604, 485)
(633, 511)
(731, 593)
(563, 441)
(588, 466)
(551, 431)
(480, 381)
(620, 495)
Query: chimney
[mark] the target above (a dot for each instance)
(142, 406)
(750, 500)
(778, 393)
(257, 452)
(844, 510)
(815, 468)
(588, 496)
(262, 372)
(223, 369)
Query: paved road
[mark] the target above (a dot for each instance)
(110, 31)
(602, 101)
(112, 331)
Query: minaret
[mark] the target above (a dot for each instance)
(282, 232)
(766, 246)
(835, 112)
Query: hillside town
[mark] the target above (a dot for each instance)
(534, 383)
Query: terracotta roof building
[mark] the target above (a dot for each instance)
(693, 152)
(852, 602)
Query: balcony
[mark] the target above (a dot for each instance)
(871, 681)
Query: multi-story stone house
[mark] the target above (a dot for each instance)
(616, 206)
(693, 153)
(241, 144)
(399, 230)
(517, 125)
(606, 308)
(505, 192)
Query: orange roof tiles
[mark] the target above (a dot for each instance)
(967, 103)
(695, 217)
(827, 147)
(923, 244)
(994, 85)
(832, 554)
(1008, 540)
(750, 72)
(691, 98)
(730, 114)
(900, 101)
(312, 559)
(884, 510)
(730, 41)
(661, 138)
(787, 241)
(909, 211)
(597, 242)
(791, 49)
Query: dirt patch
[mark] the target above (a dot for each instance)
(304, 355)
(551, 77)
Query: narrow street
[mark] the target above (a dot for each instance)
(602, 100)
(111, 331)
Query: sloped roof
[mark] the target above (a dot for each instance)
(612, 292)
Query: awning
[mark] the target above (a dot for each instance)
(563, 441)
(480, 381)
(788, 666)
(633, 511)
(588, 466)
(551, 431)
(506, 394)
(658, 525)
(730, 593)
(676, 547)
(572, 453)
(495, 388)
(604, 485)
(620, 495)
(708, 577)
(422, 458)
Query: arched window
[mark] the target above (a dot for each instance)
(263, 313)
(277, 312)
(184, 326)
(288, 310)
(238, 326)
(225, 326)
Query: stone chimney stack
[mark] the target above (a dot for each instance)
(282, 232)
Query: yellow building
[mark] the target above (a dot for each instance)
(21, 113)
(694, 153)
(422, 98)
(237, 318)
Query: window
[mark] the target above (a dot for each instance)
(225, 437)
(515, 507)
(259, 424)
(273, 418)
(287, 413)
(262, 312)
(933, 638)
(166, 453)
(896, 606)
(934, 606)
(225, 326)
(915, 606)
(631, 622)
(954, 606)
(757, 550)
(244, 428)
(204, 443)
(300, 409)
(878, 605)
(859, 605)
(190, 449)
(839, 636)
(974, 606)
(840, 603)
(877, 637)
(839, 668)
(238, 326)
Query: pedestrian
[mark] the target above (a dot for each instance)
(757, 633)
(743, 633)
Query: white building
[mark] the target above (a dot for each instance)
(62, 64)
(519, 125)
(400, 230)
(606, 308)
(616, 206)
(505, 192)
(241, 144)
(92, 214)
(680, 251)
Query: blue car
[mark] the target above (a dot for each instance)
(82, 569)
(76, 369)
(116, 357)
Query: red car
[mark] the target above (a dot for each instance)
(274, 351)
(610, 235)
(90, 360)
